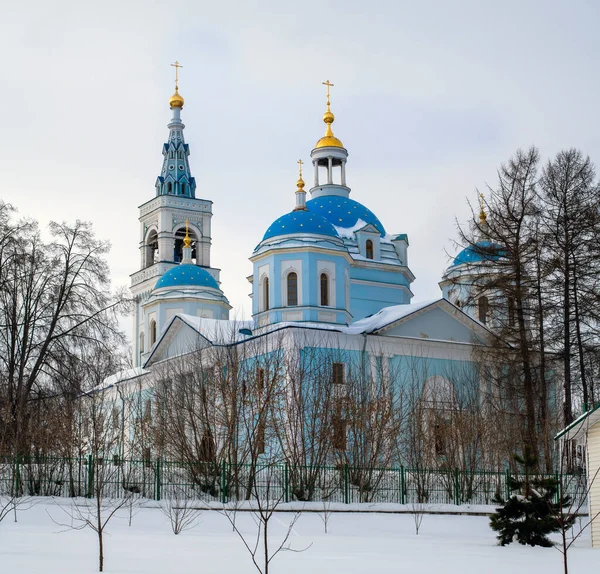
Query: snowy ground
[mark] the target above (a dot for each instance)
(356, 543)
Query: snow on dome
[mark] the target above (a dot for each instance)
(300, 222)
(187, 275)
(343, 211)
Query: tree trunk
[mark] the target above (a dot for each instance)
(266, 546)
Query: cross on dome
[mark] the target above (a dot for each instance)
(329, 85)
(328, 140)
(176, 100)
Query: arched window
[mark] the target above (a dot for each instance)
(292, 289)
(183, 189)
(151, 252)
(142, 342)
(266, 294)
(169, 187)
(484, 307)
(324, 280)
(178, 246)
(369, 249)
(152, 332)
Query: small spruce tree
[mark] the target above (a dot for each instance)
(533, 512)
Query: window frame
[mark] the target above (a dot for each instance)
(292, 291)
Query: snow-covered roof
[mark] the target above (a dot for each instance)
(224, 332)
(574, 430)
(386, 316)
(348, 232)
(119, 377)
(216, 330)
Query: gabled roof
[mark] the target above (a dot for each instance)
(368, 228)
(390, 317)
(223, 332)
(213, 331)
(584, 422)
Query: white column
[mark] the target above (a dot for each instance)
(165, 247)
(343, 172)
(329, 170)
(316, 166)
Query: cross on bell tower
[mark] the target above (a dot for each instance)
(328, 156)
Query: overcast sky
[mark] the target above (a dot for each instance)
(429, 98)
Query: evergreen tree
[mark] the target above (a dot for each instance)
(533, 513)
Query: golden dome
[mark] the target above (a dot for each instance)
(300, 183)
(328, 140)
(176, 100)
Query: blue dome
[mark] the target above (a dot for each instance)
(343, 211)
(300, 222)
(186, 275)
(481, 251)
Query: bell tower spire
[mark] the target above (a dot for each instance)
(176, 177)
(175, 234)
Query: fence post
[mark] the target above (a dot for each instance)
(223, 482)
(402, 485)
(507, 485)
(558, 494)
(286, 482)
(346, 484)
(157, 489)
(90, 476)
(456, 487)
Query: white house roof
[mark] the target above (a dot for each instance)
(580, 424)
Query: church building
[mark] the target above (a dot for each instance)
(327, 274)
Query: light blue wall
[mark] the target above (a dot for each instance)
(309, 298)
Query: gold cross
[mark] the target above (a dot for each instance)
(329, 85)
(300, 162)
(482, 214)
(176, 66)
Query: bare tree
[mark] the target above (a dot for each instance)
(505, 282)
(571, 225)
(54, 298)
(183, 513)
(268, 494)
(103, 411)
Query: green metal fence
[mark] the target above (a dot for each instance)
(223, 482)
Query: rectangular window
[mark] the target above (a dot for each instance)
(338, 373)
